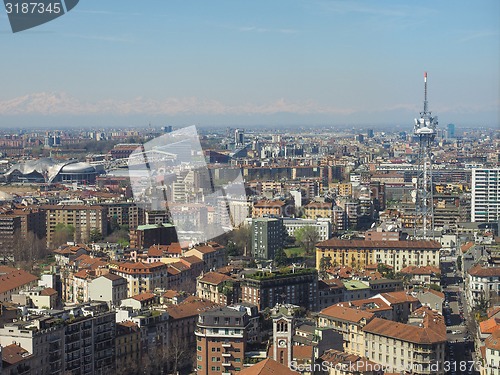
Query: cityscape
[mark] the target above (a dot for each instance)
(208, 210)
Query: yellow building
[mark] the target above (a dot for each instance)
(360, 253)
(349, 322)
(268, 208)
(316, 210)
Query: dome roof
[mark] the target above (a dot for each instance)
(78, 168)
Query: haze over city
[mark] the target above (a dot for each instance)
(354, 63)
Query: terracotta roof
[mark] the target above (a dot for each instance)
(12, 278)
(160, 250)
(493, 341)
(214, 278)
(366, 244)
(435, 292)
(480, 271)
(267, 367)
(190, 307)
(489, 326)
(190, 260)
(398, 297)
(404, 332)
(113, 277)
(466, 246)
(144, 297)
(171, 293)
(347, 314)
(422, 270)
(335, 357)
(319, 205)
(139, 267)
(13, 354)
(369, 304)
(492, 311)
(48, 292)
(266, 203)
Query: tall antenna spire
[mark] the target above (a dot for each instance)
(425, 92)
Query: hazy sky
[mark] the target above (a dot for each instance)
(235, 62)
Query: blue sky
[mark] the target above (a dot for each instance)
(283, 62)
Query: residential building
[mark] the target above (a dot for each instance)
(349, 322)
(141, 277)
(212, 254)
(483, 283)
(337, 361)
(109, 288)
(267, 237)
(492, 354)
(266, 367)
(221, 337)
(485, 200)
(16, 360)
(269, 208)
(323, 226)
(315, 210)
(145, 236)
(289, 286)
(12, 281)
(83, 218)
(419, 348)
(124, 214)
(361, 253)
(218, 288)
(423, 275)
(402, 304)
(127, 345)
(330, 292)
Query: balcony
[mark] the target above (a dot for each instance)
(226, 373)
(226, 354)
(226, 364)
(226, 345)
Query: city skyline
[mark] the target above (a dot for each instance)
(284, 63)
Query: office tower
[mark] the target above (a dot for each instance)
(485, 202)
(239, 137)
(450, 131)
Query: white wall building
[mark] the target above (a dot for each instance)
(485, 202)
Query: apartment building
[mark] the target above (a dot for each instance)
(491, 355)
(125, 214)
(315, 210)
(485, 200)
(361, 253)
(418, 347)
(83, 218)
(267, 237)
(218, 288)
(269, 208)
(212, 254)
(221, 337)
(141, 277)
(348, 322)
(483, 283)
(291, 286)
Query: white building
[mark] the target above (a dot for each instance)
(485, 202)
(492, 354)
(109, 288)
(482, 282)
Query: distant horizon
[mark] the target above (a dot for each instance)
(282, 63)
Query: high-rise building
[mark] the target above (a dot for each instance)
(221, 337)
(267, 237)
(239, 137)
(485, 201)
(450, 129)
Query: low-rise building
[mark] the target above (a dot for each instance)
(349, 322)
(483, 283)
(419, 348)
(109, 288)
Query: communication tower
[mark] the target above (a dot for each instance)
(425, 130)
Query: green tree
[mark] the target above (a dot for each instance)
(62, 234)
(307, 238)
(280, 258)
(325, 263)
(95, 235)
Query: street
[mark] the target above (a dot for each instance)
(460, 350)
